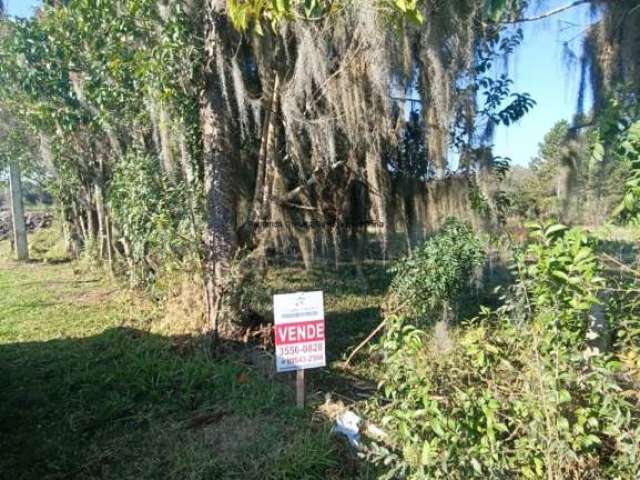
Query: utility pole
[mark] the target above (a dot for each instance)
(17, 212)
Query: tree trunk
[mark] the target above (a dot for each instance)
(265, 159)
(109, 241)
(219, 237)
(91, 224)
(79, 220)
(17, 213)
(166, 152)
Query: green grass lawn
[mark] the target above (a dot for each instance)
(86, 392)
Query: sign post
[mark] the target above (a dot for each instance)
(299, 335)
(300, 393)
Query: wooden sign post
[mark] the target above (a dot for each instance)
(300, 393)
(299, 335)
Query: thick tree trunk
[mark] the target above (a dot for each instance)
(219, 237)
(17, 213)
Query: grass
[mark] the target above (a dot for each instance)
(352, 301)
(87, 392)
(47, 244)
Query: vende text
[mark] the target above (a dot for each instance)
(300, 332)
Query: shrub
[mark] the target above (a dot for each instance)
(153, 217)
(516, 397)
(437, 275)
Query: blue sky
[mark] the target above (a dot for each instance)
(21, 8)
(536, 68)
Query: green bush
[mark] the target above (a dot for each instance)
(152, 214)
(437, 275)
(629, 147)
(516, 396)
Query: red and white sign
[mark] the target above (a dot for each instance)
(299, 331)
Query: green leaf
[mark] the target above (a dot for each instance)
(561, 276)
(437, 428)
(553, 230)
(309, 7)
(401, 5)
(564, 396)
(598, 152)
(281, 6)
(426, 455)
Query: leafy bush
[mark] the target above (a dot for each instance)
(150, 212)
(629, 209)
(516, 396)
(436, 276)
(618, 137)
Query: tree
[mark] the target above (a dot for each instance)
(205, 135)
(15, 183)
(219, 237)
(17, 212)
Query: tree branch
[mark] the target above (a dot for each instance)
(581, 126)
(621, 265)
(365, 341)
(555, 11)
(291, 195)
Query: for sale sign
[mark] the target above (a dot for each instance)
(299, 331)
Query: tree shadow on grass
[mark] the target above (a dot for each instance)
(346, 329)
(129, 404)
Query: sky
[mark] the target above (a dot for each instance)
(536, 67)
(21, 8)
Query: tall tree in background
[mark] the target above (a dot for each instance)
(17, 212)
(15, 182)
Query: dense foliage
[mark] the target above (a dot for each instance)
(571, 178)
(192, 133)
(521, 394)
(434, 278)
(619, 134)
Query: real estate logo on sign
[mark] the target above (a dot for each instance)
(299, 331)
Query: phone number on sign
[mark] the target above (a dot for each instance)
(297, 349)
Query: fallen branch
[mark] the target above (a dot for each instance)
(388, 313)
(365, 341)
(621, 265)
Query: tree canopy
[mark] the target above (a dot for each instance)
(181, 132)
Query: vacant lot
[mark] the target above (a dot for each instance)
(86, 392)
